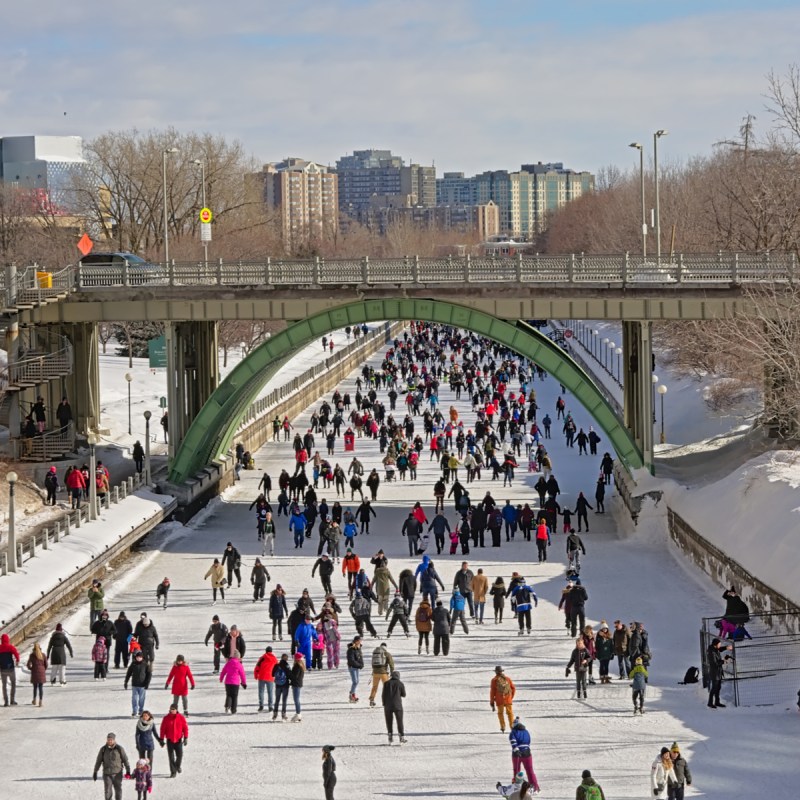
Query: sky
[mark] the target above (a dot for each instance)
(466, 85)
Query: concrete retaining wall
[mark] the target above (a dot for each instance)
(724, 571)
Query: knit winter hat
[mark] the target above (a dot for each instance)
(586, 774)
(520, 777)
(675, 748)
(639, 661)
(111, 736)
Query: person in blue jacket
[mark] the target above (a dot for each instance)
(509, 513)
(428, 578)
(457, 605)
(305, 634)
(297, 524)
(523, 594)
(521, 758)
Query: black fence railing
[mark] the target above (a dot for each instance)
(765, 666)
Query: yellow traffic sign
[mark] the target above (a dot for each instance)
(206, 215)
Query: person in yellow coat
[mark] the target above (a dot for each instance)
(217, 574)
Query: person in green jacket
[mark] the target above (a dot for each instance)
(97, 601)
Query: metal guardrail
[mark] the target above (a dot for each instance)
(276, 396)
(41, 366)
(44, 446)
(720, 270)
(72, 520)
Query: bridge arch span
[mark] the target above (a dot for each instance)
(212, 431)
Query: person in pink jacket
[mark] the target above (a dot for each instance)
(180, 676)
(233, 676)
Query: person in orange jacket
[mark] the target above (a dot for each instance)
(180, 676)
(501, 697)
(351, 564)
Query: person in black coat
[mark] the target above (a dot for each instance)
(328, 771)
(232, 559)
(392, 697)
(147, 636)
(56, 653)
(441, 629)
(577, 607)
(581, 504)
(123, 630)
(737, 611)
(407, 584)
(600, 495)
(716, 671)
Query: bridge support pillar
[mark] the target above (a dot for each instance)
(82, 387)
(638, 386)
(192, 374)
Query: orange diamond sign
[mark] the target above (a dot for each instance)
(85, 244)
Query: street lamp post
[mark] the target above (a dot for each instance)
(164, 154)
(619, 365)
(655, 381)
(129, 379)
(640, 148)
(147, 415)
(595, 341)
(202, 164)
(656, 136)
(662, 390)
(611, 347)
(11, 477)
(92, 439)
(604, 350)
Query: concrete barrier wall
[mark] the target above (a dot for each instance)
(195, 493)
(725, 572)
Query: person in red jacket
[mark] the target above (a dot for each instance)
(263, 674)
(351, 564)
(76, 484)
(180, 676)
(9, 661)
(175, 732)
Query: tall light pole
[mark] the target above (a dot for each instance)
(604, 350)
(92, 439)
(11, 477)
(653, 396)
(611, 347)
(595, 340)
(164, 155)
(202, 164)
(619, 365)
(640, 148)
(129, 378)
(656, 136)
(147, 415)
(662, 390)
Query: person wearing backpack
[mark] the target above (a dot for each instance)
(501, 697)
(639, 677)
(263, 674)
(281, 674)
(589, 788)
(382, 667)
(422, 621)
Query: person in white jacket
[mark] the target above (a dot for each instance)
(661, 773)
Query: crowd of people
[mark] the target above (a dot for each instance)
(397, 413)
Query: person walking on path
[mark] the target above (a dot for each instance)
(392, 698)
(232, 559)
(589, 788)
(297, 677)
(523, 594)
(263, 674)
(57, 653)
(37, 665)
(138, 675)
(382, 667)
(233, 676)
(498, 593)
(621, 642)
(97, 602)
(175, 732)
(580, 660)
(114, 761)
(258, 578)
(217, 573)
(123, 630)
(661, 773)
(355, 663)
(399, 613)
(716, 672)
(683, 775)
(146, 736)
(142, 779)
(639, 677)
(328, 771)
(457, 608)
(501, 697)
(441, 629)
(180, 676)
(281, 674)
(423, 623)
(217, 631)
(277, 611)
(479, 586)
(521, 757)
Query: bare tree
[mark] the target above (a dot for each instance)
(105, 333)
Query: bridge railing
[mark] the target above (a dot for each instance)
(577, 269)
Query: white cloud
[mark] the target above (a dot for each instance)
(425, 79)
